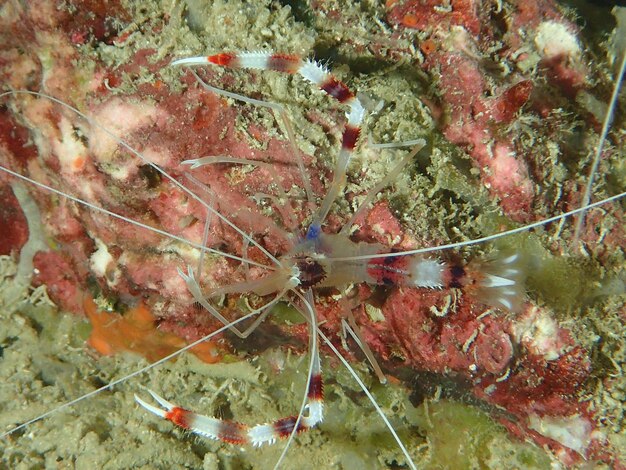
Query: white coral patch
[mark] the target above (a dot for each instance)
(506, 167)
(573, 432)
(100, 259)
(554, 39)
(69, 148)
(122, 119)
(538, 331)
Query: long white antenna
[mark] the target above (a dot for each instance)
(475, 241)
(164, 173)
(126, 377)
(608, 118)
(129, 220)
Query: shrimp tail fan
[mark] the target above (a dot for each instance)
(499, 281)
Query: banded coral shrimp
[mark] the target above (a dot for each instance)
(192, 403)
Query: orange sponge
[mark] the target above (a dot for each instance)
(136, 331)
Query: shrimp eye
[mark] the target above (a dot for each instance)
(311, 271)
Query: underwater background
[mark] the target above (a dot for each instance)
(510, 98)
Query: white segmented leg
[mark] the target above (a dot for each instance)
(318, 75)
(277, 108)
(387, 180)
(353, 330)
(195, 163)
(283, 196)
(194, 290)
(393, 145)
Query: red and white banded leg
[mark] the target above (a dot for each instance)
(239, 433)
(318, 75)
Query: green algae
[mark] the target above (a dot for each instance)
(286, 314)
(46, 361)
(461, 436)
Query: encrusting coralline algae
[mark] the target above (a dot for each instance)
(508, 97)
